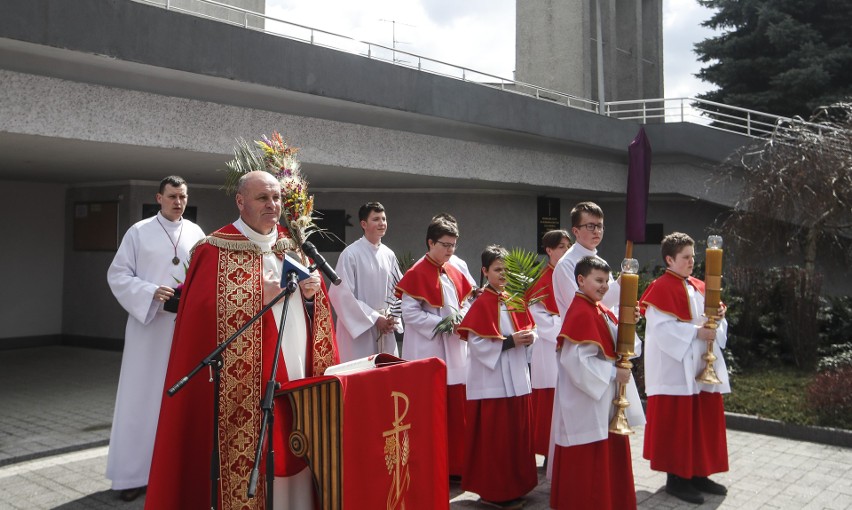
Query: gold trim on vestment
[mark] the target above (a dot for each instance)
(323, 345)
(238, 295)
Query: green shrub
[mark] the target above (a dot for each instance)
(835, 320)
(835, 357)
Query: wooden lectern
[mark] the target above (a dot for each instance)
(376, 438)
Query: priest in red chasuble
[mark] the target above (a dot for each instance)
(233, 273)
(685, 436)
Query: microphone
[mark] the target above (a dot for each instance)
(320, 263)
(292, 272)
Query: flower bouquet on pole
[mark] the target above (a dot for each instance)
(272, 154)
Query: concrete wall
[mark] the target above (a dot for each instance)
(32, 257)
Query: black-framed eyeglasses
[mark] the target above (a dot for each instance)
(591, 227)
(447, 245)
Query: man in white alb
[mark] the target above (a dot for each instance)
(587, 225)
(147, 267)
(370, 272)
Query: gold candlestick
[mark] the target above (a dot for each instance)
(626, 340)
(712, 298)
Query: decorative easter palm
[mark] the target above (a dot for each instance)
(274, 155)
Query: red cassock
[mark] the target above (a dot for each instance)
(499, 456)
(593, 476)
(221, 293)
(685, 434)
(542, 398)
(597, 475)
(423, 282)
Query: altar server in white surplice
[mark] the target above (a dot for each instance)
(363, 302)
(587, 225)
(143, 276)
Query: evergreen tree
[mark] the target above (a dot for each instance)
(785, 57)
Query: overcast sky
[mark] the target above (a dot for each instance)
(480, 34)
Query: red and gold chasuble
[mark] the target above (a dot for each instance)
(483, 318)
(543, 288)
(423, 282)
(223, 290)
(586, 322)
(668, 294)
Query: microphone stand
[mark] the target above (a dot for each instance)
(214, 361)
(267, 406)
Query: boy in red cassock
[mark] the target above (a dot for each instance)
(591, 466)
(685, 436)
(499, 458)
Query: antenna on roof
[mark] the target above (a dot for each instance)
(393, 23)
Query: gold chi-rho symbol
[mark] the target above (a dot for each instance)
(397, 450)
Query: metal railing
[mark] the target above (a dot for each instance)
(684, 109)
(708, 113)
(715, 115)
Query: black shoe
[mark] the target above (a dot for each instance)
(707, 485)
(514, 504)
(682, 489)
(131, 494)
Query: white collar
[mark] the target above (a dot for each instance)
(265, 240)
(375, 247)
(582, 250)
(167, 223)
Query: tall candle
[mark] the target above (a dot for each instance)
(629, 290)
(626, 317)
(712, 278)
(713, 262)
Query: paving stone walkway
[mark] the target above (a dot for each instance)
(56, 407)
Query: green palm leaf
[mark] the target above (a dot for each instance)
(523, 269)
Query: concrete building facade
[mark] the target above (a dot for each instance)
(102, 98)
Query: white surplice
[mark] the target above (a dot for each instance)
(420, 342)
(543, 363)
(143, 263)
(565, 285)
(369, 274)
(493, 372)
(673, 356)
(585, 389)
(461, 265)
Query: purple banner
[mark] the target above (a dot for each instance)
(638, 180)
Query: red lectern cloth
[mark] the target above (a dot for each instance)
(394, 451)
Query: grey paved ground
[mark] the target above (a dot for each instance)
(72, 407)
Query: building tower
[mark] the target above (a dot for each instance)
(557, 48)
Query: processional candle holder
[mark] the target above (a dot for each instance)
(625, 342)
(712, 298)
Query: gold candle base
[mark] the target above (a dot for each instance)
(708, 375)
(618, 424)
